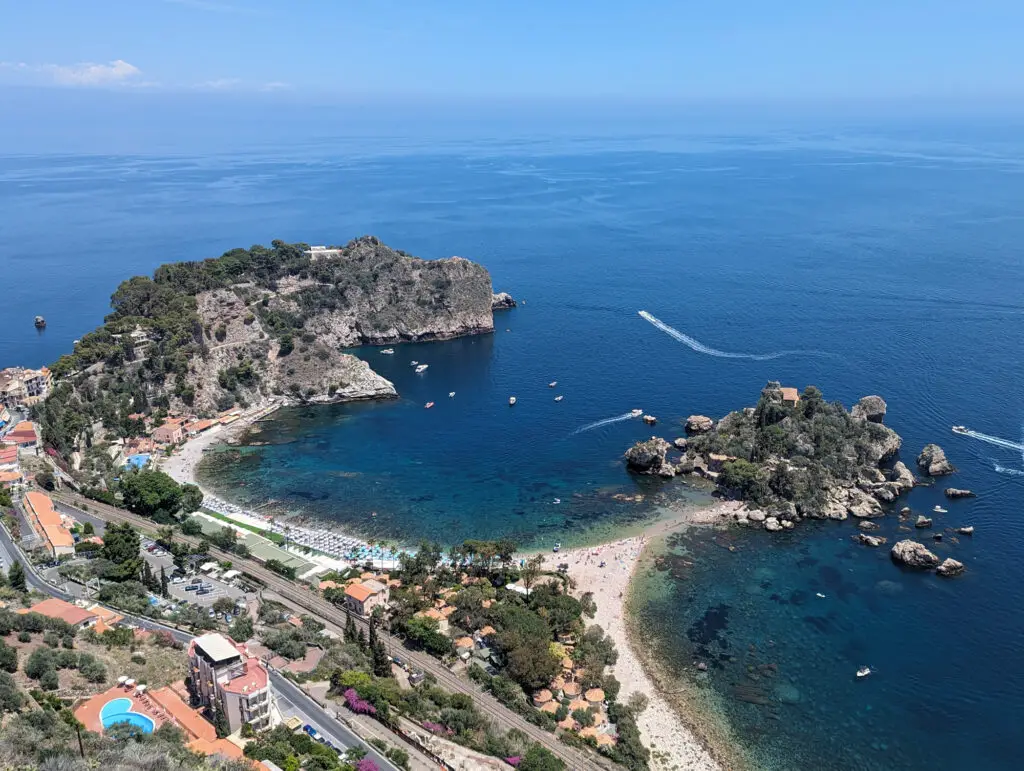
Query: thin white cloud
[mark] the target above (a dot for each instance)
(219, 84)
(117, 72)
(276, 85)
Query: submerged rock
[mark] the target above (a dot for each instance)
(913, 554)
(956, 492)
(950, 567)
(870, 408)
(867, 524)
(933, 461)
(968, 530)
(699, 424)
(648, 457)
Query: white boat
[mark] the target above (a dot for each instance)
(552, 384)
(819, 594)
(863, 672)
(940, 510)
(421, 368)
(413, 363)
(451, 394)
(557, 500)
(428, 405)
(387, 351)
(636, 413)
(959, 429)
(559, 398)
(511, 400)
(558, 547)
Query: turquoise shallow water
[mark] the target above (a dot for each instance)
(896, 251)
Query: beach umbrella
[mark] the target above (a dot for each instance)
(122, 679)
(129, 682)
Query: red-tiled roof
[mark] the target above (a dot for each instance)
(254, 679)
(358, 592)
(55, 608)
(48, 519)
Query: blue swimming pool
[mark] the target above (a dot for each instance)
(119, 711)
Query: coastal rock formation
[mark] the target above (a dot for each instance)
(950, 567)
(923, 521)
(501, 301)
(901, 476)
(913, 554)
(862, 505)
(933, 462)
(870, 540)
(699, 424)
(259, 325)
(867, 524)
(869, 408)
(955, 492)
(649, 457)
(772, 525)
(679, 443)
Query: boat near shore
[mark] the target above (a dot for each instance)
(960, 429)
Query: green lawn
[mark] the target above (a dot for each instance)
(270, 536)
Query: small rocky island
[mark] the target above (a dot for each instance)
(793, 456)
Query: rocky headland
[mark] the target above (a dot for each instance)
(259, 325)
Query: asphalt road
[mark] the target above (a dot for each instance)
(292, 700)
(33, 579)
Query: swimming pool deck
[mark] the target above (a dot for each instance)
(162, 705)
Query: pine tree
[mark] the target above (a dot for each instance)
(16, 577)
(163, 582)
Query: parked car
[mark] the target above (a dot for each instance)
(191, 588)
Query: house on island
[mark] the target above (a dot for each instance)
(790, 396)
(363, 597)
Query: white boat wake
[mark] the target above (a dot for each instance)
(1013, 472)
(606, 422)
(699, 347)
(994, 440)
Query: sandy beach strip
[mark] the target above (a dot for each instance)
(674, 744)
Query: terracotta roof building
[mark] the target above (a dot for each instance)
(790, 396)
(363, 598)
(171, 431)
(65, 611)
(48, 524)
(23, 434)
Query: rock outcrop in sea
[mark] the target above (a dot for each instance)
(950, 567)
(913, 554)
(501, 301)
(933, 462)
(650, 457)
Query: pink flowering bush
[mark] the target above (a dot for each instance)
(367, 765)
(514, 761)
(358, 705)
(437, 728)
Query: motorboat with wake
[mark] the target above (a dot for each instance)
(960, 430)
(863, 672)
(421, 368)
(559, 398)
(636, 413)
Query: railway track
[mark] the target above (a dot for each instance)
(311, 601)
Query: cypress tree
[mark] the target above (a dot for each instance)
(163, 581)
(16, 577)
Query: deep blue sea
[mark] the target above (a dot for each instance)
(899, 253)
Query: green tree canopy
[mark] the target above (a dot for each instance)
(150, 493)
(121, 547)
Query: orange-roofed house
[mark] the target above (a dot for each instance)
(23, 434)
(363, 598)
(8, 457)
(8, 478)
(198, 426)
(790, 396)
(48, 524)
(65, 611)
(328, 585)
(171, 431)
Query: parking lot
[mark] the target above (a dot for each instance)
(195, 587)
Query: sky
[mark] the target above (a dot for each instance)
(452, 50)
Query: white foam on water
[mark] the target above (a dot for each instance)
(699, 347)
(605, 422)
(995, 440)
